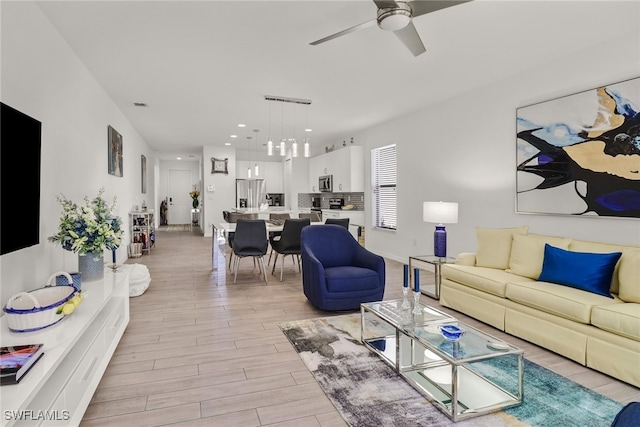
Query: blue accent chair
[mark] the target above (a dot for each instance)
(338, 274)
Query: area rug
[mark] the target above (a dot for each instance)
(368, 392)
(175, 227)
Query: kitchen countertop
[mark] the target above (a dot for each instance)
(270, 209)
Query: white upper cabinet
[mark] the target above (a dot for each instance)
(345, 164)
(273, 175)
(271, 172)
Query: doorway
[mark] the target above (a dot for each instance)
(179, 201)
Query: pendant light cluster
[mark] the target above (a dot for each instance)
(282, 147)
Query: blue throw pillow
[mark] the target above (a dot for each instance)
(582, 270)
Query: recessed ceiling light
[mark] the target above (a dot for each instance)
(308, 130)
(241, 125)
(178, 158)
(234, 136)
(227, 143)
(140, 104)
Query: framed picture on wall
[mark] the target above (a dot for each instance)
(219, 165)
(114, 149)
(580, 154)
(143, 174)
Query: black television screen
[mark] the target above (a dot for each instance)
(20, 140)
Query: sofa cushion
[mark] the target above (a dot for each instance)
(494, 246)
(569, 303)
(629, 275)
(490, 280)
(588, 271)
(620, 319)
(527, 253)
(600, 248)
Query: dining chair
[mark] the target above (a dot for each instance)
(250, 241)
(288, 243)
(232, 218)
(313, 216)
(338, 221)
(277, 217)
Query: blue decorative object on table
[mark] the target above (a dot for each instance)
(76, 280)
(451, 332)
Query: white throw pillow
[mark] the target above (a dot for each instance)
(494, 246)
(527, 253)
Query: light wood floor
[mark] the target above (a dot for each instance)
(202, 351)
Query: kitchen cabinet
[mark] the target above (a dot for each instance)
(271, 172)
(356, 218)
(345, 164)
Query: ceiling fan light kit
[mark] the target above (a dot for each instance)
(397, 16)
(394, 18)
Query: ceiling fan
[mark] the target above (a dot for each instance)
(396, 16)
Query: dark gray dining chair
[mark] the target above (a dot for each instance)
(338, 221)
(250, 241)
(288, 243)
(313, 216)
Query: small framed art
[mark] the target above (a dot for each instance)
(219, 165)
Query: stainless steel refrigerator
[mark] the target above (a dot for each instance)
(250, 193)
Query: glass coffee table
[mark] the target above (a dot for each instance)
(473, 376)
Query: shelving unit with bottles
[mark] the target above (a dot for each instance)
(142, 229)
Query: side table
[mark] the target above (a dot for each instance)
(421, 261)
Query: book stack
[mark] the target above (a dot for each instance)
(15, 361)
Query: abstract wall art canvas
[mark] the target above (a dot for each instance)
(114, 152)
(580, 154)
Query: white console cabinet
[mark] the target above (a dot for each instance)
(58, 388)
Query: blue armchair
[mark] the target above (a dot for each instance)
(337, 272)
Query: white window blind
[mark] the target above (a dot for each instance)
(383, 185)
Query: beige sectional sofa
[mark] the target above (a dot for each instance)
(498, 285)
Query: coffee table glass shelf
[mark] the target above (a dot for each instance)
(463, 379)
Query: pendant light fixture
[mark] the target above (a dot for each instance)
(249, 154)
(294, 144)
(283, 149)
(283, 141)
(256, 169)
(269, 141)
(307, 147)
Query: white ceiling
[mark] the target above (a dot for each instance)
(205, 66)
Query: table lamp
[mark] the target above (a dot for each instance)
(440, 213)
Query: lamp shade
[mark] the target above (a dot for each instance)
(440, 212)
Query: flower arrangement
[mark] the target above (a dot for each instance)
(91, 228)
(195, 193)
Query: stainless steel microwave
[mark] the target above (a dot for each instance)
(325, 183)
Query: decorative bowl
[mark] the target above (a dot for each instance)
(451, 332)
(37, 309)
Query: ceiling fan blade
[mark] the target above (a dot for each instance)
(410, 38)
(385, 4)
(345, 32)
(422, 7)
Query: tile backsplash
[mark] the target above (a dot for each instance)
(355, 199)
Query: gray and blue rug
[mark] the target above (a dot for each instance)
(367, 392)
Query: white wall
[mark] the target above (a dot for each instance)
(223, 196)
(43, 78)
(464, 150)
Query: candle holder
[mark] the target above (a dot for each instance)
(405, 300)
(416, 304)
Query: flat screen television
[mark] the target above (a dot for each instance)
(20, 145)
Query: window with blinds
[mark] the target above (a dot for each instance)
(383, 185)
